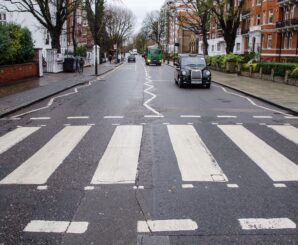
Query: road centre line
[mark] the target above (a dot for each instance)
(266, 224)
(187, 186)
(42, 187)
(48, 226)
(166, 225)
(226, 116)
(232, 186)
(279, 185)
(262, 117)
(291, 117)
(17, 135)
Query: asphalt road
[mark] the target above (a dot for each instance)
(133, 159)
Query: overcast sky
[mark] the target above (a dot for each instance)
(141, 7)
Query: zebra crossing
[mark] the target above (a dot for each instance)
(119, 163)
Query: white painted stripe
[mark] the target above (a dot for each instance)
(289, 132)
(114, 117)
(262, 124)
(42, 187)
(78, 117)
(38, 168)
(226, 116)
(232, 186)
(47, 226)
(190, 116)
(290, 117)
(153, 116)
(167, 225)
(195, 161)
(187, 186)
(40, 118)
(190, 123)
(89, 188)
(274, 164)
(279, 185)
(10, 139)
(267, 224)
(119, 163)
(262, 117)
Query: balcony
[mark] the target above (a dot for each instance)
(287, 23)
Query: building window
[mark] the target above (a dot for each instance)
(262, 41)
(258, 21)
(2, 18)
(285, 42)
(264, 17)
(237, 46)
(270, 17)
(269, 41)
(218, 47)
(290, 41)
(212, 48)
(259, 2)
(292, 11)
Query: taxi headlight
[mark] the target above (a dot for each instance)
(207, 73)
(184, 73)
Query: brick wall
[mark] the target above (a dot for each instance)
(17, 72)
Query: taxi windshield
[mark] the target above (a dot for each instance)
(193, 61)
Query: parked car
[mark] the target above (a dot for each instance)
(131, 58)
(192, 69)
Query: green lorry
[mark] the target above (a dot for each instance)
(153, 55)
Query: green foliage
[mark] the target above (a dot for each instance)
(245, 67)
(249, 56)
(232, 58)
(279, 68)
(16, 45)
(294, 73)
(82, 51)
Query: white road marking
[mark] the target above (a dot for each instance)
(267, 224)
(187, 186)
(10, 139)
(89, 188)
(251, 101)
(113, 117)
(239, 123)
(279, 185)
(153, 116)
(38, 168)
(42, 187)
(91, 124)
(190, 123)
(116, 124)
(226, 116)
(232, 186)
(214, 123)
(291, 117)
(289, 132)
(78, 117)
(190, 116)
(118, 164)
(165, 123)
(262, 117)
(195, 161)
(274, 164)
(47, 226)
(166, 225)
(262, 124)
(40, 118)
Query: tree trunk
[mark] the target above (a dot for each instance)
(205, 41)
(230, 38)
(55, 36)
(73, 34)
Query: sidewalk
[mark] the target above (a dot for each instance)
(278, 94)
(26, 92)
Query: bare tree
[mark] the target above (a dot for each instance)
(119, 23)
(154, 26)
(228, 13)
(196, 19)
(51, 14)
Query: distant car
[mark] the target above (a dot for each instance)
(192, 69)
(131, 58)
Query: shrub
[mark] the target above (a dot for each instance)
(16, 45)
(279, 68)
(249, 56)
(82, 51)
(232, 58)
(294, 73)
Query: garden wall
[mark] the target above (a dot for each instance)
(17, 72)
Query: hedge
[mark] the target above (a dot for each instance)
(294, 73)
(279, 68)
